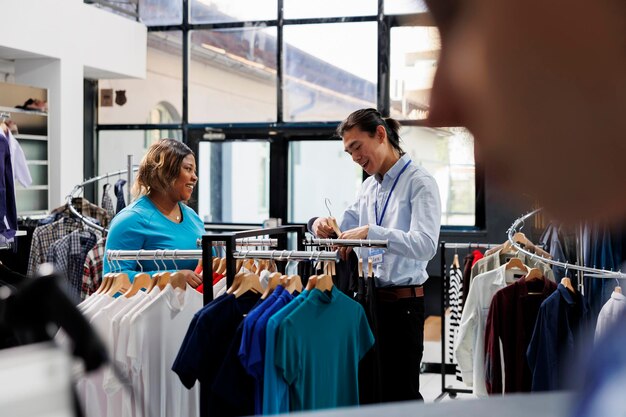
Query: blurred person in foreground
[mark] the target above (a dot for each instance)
(542, 86)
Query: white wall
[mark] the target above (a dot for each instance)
(55, 44)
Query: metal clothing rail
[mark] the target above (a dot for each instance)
(288, 255)
(272, 243)
(149, 255)
(77, 188)
(364, 243)
(594, 272)
(445, 286)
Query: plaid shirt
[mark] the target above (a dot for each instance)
(84, 207)
(45, 236)
(68, 255)
(107, 201)
(92, 269)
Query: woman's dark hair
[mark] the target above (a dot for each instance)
(160, 167)
(367, 120)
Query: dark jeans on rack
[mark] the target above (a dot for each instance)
(391, 371)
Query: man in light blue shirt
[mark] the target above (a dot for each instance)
(399, 202)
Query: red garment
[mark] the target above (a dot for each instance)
(510, 323)
(198, 269)
(477, 256)
(216, 278)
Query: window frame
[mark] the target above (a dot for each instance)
(280, 133)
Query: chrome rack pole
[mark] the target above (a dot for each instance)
(286, 255)
(365, 243)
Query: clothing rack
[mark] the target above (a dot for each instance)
(363, 243)
(288, 255)
(79, 187)
(445, 286)
(593, 272)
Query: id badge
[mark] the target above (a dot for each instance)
(376, 255)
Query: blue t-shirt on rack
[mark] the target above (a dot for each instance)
(318, 349)
(256, 356)
(275, 389)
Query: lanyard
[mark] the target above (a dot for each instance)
(382, 215)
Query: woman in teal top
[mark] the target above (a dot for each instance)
(159, 218)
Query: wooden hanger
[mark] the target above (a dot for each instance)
(236, 282)
(516, 263)
(121, 284)
(455, 261)
(163, 280)
(294, 283)
(141, 281)
(273, 282)
(178, 280)
(370, 268)
(567, 283)
(250, 282)
(221, 269)
(311, 283)
(618, 289)
(324, 282)
(105, 284)
(534, 274)
(216, 264)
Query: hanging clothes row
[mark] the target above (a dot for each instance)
(491, 299)
(75, 248)
(276, 349)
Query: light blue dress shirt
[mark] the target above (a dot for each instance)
(411, 222)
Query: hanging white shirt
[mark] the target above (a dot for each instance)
(21, 173)
(156, 334)
(611, 312)
(470, 341)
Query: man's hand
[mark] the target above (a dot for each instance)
(356, 233)
(322, 228)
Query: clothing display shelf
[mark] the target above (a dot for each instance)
(444, 368)
(518, 225)
(78, 190)
(32, 137)
(363, 243)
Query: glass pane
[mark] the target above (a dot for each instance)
(327, 74)
(215, 11)
(39, 174)
(405, 6)
(29, 201)
(34, 150)
(233, 75)
(310, 183)
(414, 55)
(234, 182)
(158, 98)
(161, 12)
(114, 146)
(295, 9)
(448, 154)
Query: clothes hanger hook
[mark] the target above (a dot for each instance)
(154, 259)
(174, 260)
(327, 203)
(117, 261)
(163, 260)
(137, 260)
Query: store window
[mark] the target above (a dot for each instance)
(327, 74)
(114, 146)
(233, 75)
(414, 55)
(405, 6)
(219, 11)
(233, 181)
(298, 9)
(135, 100)
(320, 169)
(161, 12)
(448, 154)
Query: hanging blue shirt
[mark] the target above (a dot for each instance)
(318, 349)
(256, 356)
(142, 226)
(275, 389)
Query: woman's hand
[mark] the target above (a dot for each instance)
(322, 228)
(356, 233)
(191, 277)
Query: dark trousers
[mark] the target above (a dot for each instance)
(400, 339)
